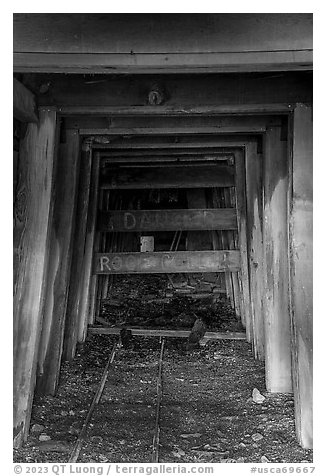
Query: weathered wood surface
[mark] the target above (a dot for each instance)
(32, 220)
(255, 245)
(157, 123)
(75, 286)
(168, 177)
(104, 43)
(168, 220)
(167, 333)
(219, 242)
(165, 33)
(276, 271)
(198, 240)
(88, 253)
(301, 278)
(61, 244)
(231, 237)
(240, 175)
(24, 103)
(180, 131)
(173, 158)
(167, 262)
(229, 108)
(152, 144)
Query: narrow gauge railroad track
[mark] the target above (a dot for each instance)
(97, 397)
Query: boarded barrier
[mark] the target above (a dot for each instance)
(165, 262)
(168, 220)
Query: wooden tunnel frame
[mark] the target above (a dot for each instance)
(55, 247)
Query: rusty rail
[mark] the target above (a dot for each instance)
(81, 437)
(156, 437)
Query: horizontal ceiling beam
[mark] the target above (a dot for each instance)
(211, 110)
(162, 131)
(167, 63)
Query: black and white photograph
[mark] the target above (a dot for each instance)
(163, 241)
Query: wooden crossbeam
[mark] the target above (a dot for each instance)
(164, 131)
(167, 262)
(168, 177)
(167, 333)
(167, 220)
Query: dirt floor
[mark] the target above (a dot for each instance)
(207, 413)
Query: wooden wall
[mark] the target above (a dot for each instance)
(32, 224)
(301, 272)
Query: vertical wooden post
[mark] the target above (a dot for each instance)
(31, 235)
(276, 277)
(232, 240)
(301, 276)
(89, 246)
(240, 184)
(74, 296)
(255, 245)
(59, 264)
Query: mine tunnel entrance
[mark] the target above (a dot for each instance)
(166, 287)
(168, 256)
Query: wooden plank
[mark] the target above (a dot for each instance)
(255, 246)
(225, 109)
(168, 177)
(88, 253)
(167, 262)
(24, 103)
(32, 219)
(74, 296)
(167, 333)
(165, 33)
(159, 131)
(301, 277)
(158, 63)
(232, 240)
(161, 144)
(158, 122)
(173, 159)
(61, 244)
(220, 242)
(197, 240)
(276, 272)
(210, 92)
(240, 176)
(167, 220)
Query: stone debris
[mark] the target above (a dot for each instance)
(257, 437)
(37, 428)
(190, 435)
(54, 446)
(178, 453)
(257, 396)
(75, 428)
